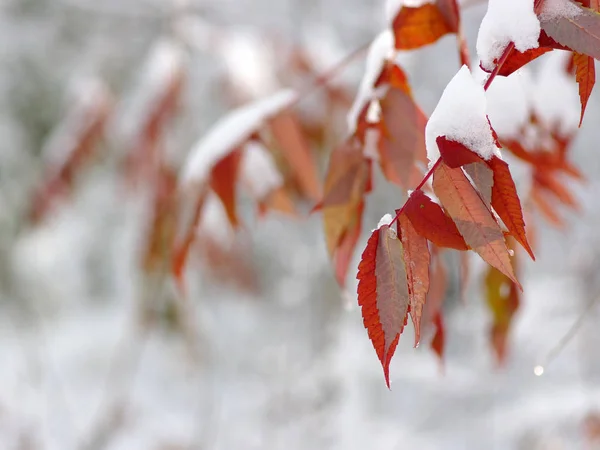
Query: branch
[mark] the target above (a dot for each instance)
(507, 51)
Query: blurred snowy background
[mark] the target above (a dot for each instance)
(92, 357)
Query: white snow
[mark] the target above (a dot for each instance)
(230, 132)
(165, 62)
(506, 21)
(250, 63)
(259, 171)
(554, 9)
(460, 115)
(90, 100)
(509, 103)
(381, 50)
(392, 7)
(555, 95)
(385, 220)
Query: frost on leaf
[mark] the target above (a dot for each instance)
(572, 25)
(383, 293)
(473, 219)
(230, 132)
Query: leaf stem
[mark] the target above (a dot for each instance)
(507, 51)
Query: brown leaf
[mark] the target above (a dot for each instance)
(383, 293)
(483, 179)
(507, 204)
(579, 32)
(345, 184)
(585, 74)
(342, 255)
(416, 261)
(430, 221)
(472, 218)
(402, 137)
(288, 134)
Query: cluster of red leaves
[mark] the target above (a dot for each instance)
(479, 206)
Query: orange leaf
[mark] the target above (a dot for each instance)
(472, 218)
(585, 74)
(288, 134)
(503, 300)
(507, 204)
(223, 180)
(383, 294)
(416, 261)
(545, 207)
(416, 27)
(430, 221)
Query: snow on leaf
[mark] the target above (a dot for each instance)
(506, 21)
(416, 262)
(430, 221)
(555, 97)
(294, 147)
(230, 132)
(460, 116)
(585, 74)
(383, 293)
(507, 204)
(381, 49)
(472, 217)
(258, 170)
(573, 26)
(415, 27)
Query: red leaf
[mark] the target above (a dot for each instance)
(430, 221)
(439, 339)
(472, 218)
(223, 180)
(383, 294)
(416, 261)
(454, 154)
(507, 204)
(585, 75)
